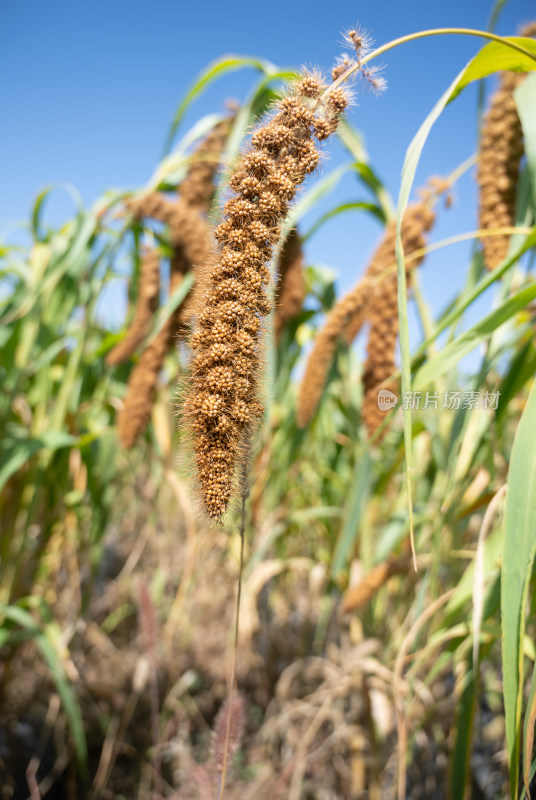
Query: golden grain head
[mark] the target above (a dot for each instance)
(290, 289)
(501, 148)
(226, 342)
(373, 300)
(147, 303)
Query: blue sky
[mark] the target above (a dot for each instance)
(89, 89)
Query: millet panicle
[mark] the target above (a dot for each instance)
(373, 300)
(501, 149)
(147, 303)
(221, 401)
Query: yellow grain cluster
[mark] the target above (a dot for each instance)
(350, 310)
(141, 391)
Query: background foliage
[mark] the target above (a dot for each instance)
(417, 660)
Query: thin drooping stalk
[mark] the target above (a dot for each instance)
(232, 679)
(148, 626)
(411, 37)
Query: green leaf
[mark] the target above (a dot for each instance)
(519, 547)
(467, 341)
(70, 256)
(173, 302)
(495, 57)
(495, 13)
(352, 140)
(361, 205)
(528, 733)
(463, 737)
(39, 204)
(173, 167)
(471, 295)
(217, 69)
(358, 491)
(15, 453)
(521, 369)
(48, 354)
(47, 644)
(525, 97)
(316, 192)
(486, 62)
(37, 211)
(478, 67)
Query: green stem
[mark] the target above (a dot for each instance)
(410, 37)
(439, 32)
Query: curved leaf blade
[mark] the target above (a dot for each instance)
(525, 97)
(456, 350)
(358, 205)
(71, 707)
(217, 69)
(479, 67)
(519, 548)
(495, 57)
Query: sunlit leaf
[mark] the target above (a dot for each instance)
(519, 547)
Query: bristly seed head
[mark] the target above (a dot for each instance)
(501, 150)
(358, 40)
(221, 403)
(374, 299)
(310, 86)
(338, 100)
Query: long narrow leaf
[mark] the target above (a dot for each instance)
(525, 97)
(528, 733)
(72, 710)
(14, 453)
(217, 69)
(467, 341)
(519, 546)
(352, 513)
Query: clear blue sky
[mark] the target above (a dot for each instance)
(89, 88)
